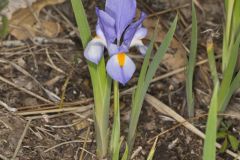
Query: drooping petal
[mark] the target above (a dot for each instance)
(140, 46)
(107, 25)
(137, 40)
(94, 50)
(121, 68)
(132, 31)
(140, 33)
(123, 11)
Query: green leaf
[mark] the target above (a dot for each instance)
(209, 149)
(3, 4)
(115, 137)
(224, 146)
(224, 91)
(145, 78)
(234, 142)
(4, 27)
(100, 81)
(191, 64)
(152, 151)
(125, 154)
(221, 134)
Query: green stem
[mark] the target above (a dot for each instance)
(115, 139)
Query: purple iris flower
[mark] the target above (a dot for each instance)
(117, 32)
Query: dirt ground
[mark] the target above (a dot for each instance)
(35, 76)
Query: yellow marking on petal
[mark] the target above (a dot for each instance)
(121, 59)
(97, 37)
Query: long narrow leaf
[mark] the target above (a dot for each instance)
(142, 87)
(209, 150)
(100, 81)
(136, 93)
(191, 64)
(115, 138)
(152, 151)
(125, 154)
(228, 73)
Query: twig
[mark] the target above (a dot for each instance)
(84, 144)
(11, 109)
(21, 139)
(168, 10)
(68, 142)
(24, 90)
(77, 109)
(161, 107)
(3, 157)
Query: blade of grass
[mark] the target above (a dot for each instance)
(4, 28)
(100, 81)
(209, 149)
(152, 151)
(125, 154)
(191, 64)
(136, 92)
(211, 60)
(143, 83)
(228, 74)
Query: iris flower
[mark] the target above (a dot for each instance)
(117, 32)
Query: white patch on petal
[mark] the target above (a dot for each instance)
(140, 33)
(94, 50)
(140, 46)
(100, 34)
(118, 73)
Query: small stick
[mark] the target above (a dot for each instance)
(21, 139)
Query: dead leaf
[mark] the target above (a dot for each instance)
(24, 23)
(14, 5)
(50, 28)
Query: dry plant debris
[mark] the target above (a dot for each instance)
(44, 79)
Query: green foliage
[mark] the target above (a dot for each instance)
(125, 154)
(211, 60)
(115, 137)
(4, 27)
(152, 151)
(228, 139)
(3, 3)
(146, 75)
(191, 64)
(100, 81)
(209, 149)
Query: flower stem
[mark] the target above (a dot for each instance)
(115, 139)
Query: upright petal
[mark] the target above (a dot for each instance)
(132, 30)
(94, 50)
(123, 11)
(107, 25)
(99, 32)
(121, 68)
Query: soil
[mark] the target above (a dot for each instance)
(33, 75)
